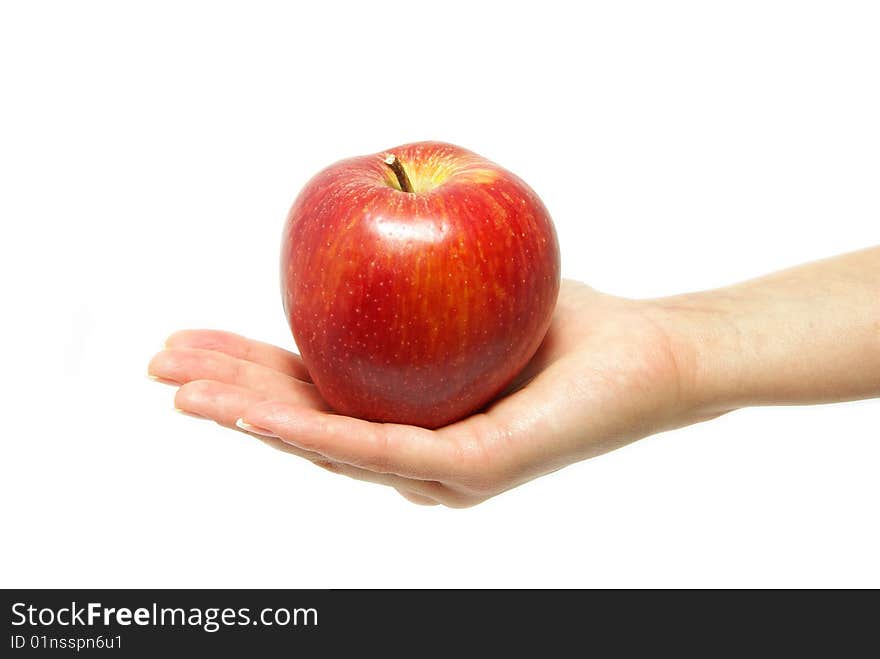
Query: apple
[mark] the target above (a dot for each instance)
(417, 282)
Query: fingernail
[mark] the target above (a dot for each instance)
(156, 378)
(244, 425)
(187, 413)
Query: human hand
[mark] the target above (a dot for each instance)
(606, 374)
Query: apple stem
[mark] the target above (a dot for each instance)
(397, 167)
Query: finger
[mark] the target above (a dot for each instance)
(418, 499)
(225, 403)
(385, 448)
(242, 348)
(184, 365)
(315, 458)
(218, 401)
(428, 491)
(424, 489)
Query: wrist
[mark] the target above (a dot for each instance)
(706, 342)
(805, 335)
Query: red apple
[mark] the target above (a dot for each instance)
(417, 282)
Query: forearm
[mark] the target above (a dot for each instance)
(810, 334)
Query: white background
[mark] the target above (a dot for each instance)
(149, 153)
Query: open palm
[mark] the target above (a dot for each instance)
(605, 375)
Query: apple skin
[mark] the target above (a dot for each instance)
(417, 307)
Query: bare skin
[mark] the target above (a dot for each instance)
(610, 371)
